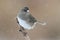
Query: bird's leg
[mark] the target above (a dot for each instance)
(23, 31)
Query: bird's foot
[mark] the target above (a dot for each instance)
(20, 30)
(24, 33)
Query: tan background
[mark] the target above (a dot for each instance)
(44, 10)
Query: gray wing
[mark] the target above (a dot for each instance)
(32, 19)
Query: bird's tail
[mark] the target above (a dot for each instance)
(39, 22)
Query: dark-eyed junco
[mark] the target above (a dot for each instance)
(26, 20)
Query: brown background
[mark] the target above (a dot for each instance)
(44, 10)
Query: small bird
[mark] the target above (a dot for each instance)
(26, 20)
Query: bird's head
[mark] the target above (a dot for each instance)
(26, 9)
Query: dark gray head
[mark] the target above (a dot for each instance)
(25, 9)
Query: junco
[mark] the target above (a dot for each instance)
(26, 20)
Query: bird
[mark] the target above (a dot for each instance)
(26, 20)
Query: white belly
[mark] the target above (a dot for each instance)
(24, 24)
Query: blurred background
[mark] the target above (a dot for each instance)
(44, 10)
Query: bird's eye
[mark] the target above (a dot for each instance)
(26, 9)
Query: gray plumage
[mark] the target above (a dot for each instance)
(25, 19)
(24, 15)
